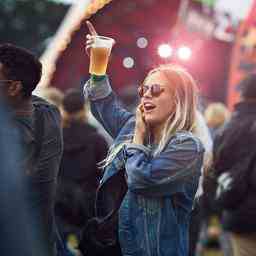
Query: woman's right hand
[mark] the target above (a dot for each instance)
(90, 37)
(140, 130)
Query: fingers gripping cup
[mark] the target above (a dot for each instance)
(99, 56)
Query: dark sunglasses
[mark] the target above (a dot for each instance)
(155, 89)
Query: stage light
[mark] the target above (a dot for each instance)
(165, 50)
(128, 62)
(184, 53)
(142, 42)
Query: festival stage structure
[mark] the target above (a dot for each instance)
(139, 28)
(65, 60)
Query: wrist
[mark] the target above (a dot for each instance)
(97, 78)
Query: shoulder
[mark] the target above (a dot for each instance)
(40, 102)
(44, 106)
(186, 141)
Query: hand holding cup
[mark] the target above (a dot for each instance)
(100, 49)
(90, 37)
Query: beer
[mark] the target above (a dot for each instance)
(99, 60)
(99, 55)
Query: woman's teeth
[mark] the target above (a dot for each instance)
(149, 106)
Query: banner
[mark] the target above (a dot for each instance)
(210, 22)
(243, 60)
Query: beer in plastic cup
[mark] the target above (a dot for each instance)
(99, 55)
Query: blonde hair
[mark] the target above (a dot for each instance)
(202, 132)
(183, 117)
(216, 114)
(185, 101)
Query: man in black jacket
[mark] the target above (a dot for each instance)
(39, 142)
(235, 166)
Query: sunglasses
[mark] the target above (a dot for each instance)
(155, 90)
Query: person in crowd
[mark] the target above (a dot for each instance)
(100, 129)
(79, 174)
(40, 143)
(216, 114)
(234, 163)
(213, 237)
(158, 155)
(202, 132)
(13, 236)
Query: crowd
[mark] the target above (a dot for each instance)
(174, 181)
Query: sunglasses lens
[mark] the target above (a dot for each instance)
(155, 90)
(140, 91)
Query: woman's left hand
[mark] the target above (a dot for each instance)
(140, 126)
(90, 37)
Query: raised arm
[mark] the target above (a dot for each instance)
(105, 106)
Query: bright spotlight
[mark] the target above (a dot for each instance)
(142, 42)
(128, 62)
(165, 50)
(184, 53)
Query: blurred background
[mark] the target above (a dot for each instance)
(213, 39)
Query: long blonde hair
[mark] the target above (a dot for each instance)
(185, 102)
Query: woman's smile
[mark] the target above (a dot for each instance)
(148, 106)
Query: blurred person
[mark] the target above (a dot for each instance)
(203, 133)
(100, 129)
(156, 154)
(234, 163)
(52, 95)
(15, 234)
(79, 174)
(38, 124)
(216, 114)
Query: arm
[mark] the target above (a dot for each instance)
(101, 152)
(105, 106)
(173, 168)
(232, 161)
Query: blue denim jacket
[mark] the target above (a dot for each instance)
(155, 213)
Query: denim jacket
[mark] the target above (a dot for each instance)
(155, 212)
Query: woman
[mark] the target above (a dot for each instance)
(159, 154)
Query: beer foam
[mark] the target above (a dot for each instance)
(101, 41)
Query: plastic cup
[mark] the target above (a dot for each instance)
(99, 55)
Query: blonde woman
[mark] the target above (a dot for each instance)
(160, 157)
